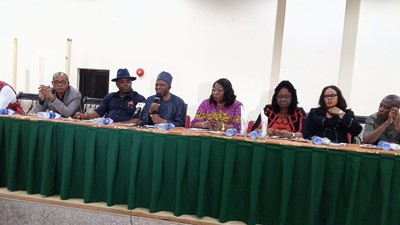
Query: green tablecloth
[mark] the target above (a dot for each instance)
(203, 176)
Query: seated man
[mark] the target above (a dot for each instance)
(385, 124)
(119, 106)
(164, 107)
(8, 98)
(61, 98)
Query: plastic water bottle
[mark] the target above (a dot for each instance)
(231, 132)
(104, 121)
(316, 140)
(164, 126)
(48, 115)
(254, 134)
(384, 145)
(6, 112)
(395, 146)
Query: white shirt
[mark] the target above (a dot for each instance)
(7, 96)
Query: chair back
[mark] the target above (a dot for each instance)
(27, 101)
(90, 104)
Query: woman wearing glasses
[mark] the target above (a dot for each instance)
(332, 119)
(285, 119)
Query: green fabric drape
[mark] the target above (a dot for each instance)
(204, 176)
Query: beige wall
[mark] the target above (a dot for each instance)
(255, 44)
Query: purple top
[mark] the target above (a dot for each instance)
(225, 114)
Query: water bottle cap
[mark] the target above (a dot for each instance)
(52, 115)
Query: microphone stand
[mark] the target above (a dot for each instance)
(140, 124)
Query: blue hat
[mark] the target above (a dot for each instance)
(123, 73)
(165, 76)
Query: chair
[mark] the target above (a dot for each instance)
(187, 121)
(358, 139)
(27, 101)
(250, 126)
(90, 104)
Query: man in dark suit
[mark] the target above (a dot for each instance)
(121, 105)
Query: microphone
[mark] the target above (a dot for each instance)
(157, 98)
(139, 108)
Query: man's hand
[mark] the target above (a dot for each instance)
(396, 116)
(44, 92)
(157, 119)
(79, 116)
(154, 107)
(393, 114)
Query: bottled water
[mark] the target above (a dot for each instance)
(395, 146)
(164, 126)
(103, 121)
(231, 132)
(6, 112)
(48, 115)
(384, 145)
(254, 134)
(319, 140)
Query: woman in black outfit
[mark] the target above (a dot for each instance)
(332, 119)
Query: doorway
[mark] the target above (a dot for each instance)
(93, 83)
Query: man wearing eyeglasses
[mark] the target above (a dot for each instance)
(61, 98)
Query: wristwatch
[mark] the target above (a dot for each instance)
(341, 112)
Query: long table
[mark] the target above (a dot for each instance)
(257, 182)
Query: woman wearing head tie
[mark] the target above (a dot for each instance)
(285, 119)
(332, 119)
(221, 111)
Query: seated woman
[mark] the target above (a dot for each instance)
(285, 119)
(332, 119)
(221, 111)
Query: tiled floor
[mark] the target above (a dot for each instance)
(21, 208)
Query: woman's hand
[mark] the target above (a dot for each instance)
(203, 125)
(214, 124)
(335, 111)
(284, 133)
(271, 132)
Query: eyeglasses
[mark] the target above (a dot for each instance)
(330, 96)
(217, 90)
(56, 82)
(283, 97)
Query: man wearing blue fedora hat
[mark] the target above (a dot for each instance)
(164, 107)
(121, 105)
